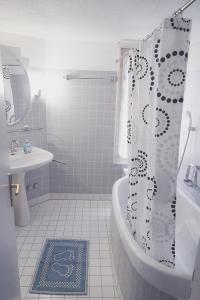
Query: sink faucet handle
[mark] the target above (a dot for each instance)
(15, 141)
(14, 144)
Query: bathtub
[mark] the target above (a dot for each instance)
(139, 276)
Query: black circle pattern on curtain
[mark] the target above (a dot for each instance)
(173, 206)
(145, 114)
(6, 73)
(132, 210)
(151, 191)
(167, 263)
(173, 249)
(171, 196)
(152, 188)
(156, 50)
(142, 163)
(158, 70)
(180, 24)
(7, 106)
(133, 83)
(162, 122)
(145, 243)
(152, 79)
(172, 76)
(130, 68)
(132, 132)
(133, 180)
(12, 119)
(141, 65)
(138, 167)
(129, 132)
(176, 77)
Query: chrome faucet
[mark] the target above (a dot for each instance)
(195, 182)
(13, 146)
(187, 179)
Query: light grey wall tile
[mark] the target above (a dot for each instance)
(79, 130)
(81, 134)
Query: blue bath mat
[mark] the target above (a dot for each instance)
(62, 268)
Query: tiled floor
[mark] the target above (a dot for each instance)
(78, 219)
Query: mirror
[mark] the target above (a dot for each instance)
(16, 87)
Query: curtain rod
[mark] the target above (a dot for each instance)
(175, 14)
(182, 8)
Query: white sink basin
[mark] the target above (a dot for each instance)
(21, 162)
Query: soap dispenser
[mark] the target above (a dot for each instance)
(27, 146)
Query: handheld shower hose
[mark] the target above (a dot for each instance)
(190, 128)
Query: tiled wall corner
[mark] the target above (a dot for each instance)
(79, 130)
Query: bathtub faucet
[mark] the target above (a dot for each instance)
(194, 181)
(197, 169)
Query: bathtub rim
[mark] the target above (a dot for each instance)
(171, 281)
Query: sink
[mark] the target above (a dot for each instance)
(20, 163)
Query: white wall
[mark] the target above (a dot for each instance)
(80, 55)
(31, 48)
(64, 54)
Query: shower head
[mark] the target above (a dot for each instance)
(190, 127)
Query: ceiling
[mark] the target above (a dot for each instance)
(91, 20)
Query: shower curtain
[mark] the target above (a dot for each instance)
(157, 75)
(9, 104)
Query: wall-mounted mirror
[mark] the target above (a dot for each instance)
(16, 87)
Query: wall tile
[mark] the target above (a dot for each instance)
(80, 133)
(77, 121)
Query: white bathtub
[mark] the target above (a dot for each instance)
(139, 276)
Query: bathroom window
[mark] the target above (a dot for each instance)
(120, 142)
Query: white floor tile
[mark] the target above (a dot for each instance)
(107, 281)
(95, 280)
(25, 280)
(82, 219)
(106, 271)
(95, 291)
(108, 291)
